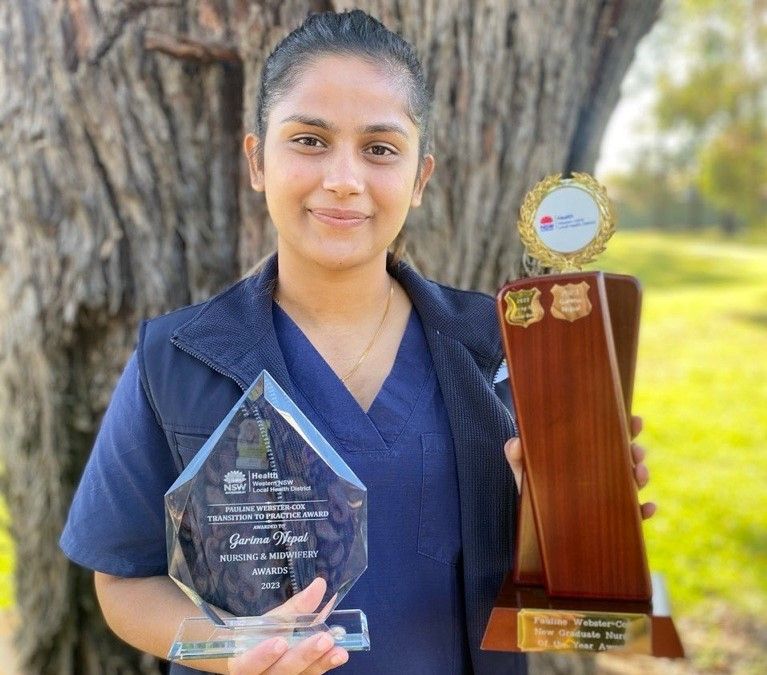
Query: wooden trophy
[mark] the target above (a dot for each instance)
(580, 580)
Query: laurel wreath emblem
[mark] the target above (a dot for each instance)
(571, 261)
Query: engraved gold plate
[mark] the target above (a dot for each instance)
(566, 223)
(523, 307)
(571, 301)
(556, 630)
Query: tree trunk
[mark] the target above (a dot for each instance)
(123, 194)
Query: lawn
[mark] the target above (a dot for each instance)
(702, 390)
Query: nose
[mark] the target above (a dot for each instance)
(343, 175)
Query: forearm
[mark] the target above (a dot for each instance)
(146, 612)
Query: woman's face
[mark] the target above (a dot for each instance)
(340, 163)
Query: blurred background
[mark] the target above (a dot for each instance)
(685, 159)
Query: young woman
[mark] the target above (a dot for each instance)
(396, 371)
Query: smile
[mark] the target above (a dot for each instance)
(339, 217)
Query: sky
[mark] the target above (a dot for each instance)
(628, 129)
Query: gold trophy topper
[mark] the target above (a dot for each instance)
(566, 222)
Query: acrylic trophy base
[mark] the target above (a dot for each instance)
(526, 619)
(200, 638)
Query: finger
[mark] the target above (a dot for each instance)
(304, 655)
(648, 510)
(259, 658)
(638, 453)
(636, 425)
(641, 475)
(332, 659)
(513, 451)
(303, 602)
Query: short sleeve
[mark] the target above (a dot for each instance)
(116, 523)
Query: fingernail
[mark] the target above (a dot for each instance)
(338, 659)
(323, 642)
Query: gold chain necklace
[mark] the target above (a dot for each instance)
(373, 339)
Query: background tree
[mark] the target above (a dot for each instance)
(123, 194)
(710, 146)
(721, 103)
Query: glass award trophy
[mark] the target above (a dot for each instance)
(264, 508)
(580, 580)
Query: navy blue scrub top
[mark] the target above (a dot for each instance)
(402, 451)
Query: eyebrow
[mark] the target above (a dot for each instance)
(385, 128)
(310, 121)
(378, 128)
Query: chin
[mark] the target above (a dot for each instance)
(346, 259)
(332, 255)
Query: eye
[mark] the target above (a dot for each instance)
(309, 141)
(381, 150)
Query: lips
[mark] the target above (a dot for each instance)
(339, 217)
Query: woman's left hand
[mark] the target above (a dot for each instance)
(513, 452)
(641, 472)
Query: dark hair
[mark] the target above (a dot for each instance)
(355, 33)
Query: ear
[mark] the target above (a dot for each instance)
(251, 150)
(427, 169)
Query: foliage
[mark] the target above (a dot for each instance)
(646, 196)
(711, 101)
(721, 101)
(731, 165)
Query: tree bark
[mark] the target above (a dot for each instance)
(123, 194)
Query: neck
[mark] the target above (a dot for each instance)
(328, 296)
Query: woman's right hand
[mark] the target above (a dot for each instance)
(312, 656)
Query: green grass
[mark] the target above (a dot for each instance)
(702, 390)
(6, 561)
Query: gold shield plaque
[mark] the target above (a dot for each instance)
(571, 301)
(523, 307)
